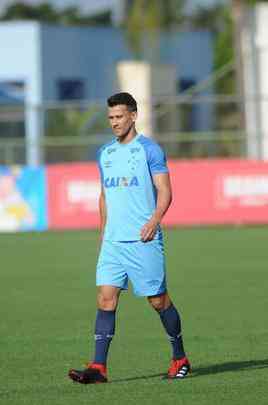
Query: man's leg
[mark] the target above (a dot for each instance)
(171, 321)
(107, 300)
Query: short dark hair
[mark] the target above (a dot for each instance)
(124, 99)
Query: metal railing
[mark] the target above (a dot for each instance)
(187, 145)
(186, 126)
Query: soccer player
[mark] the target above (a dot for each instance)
(135, 195)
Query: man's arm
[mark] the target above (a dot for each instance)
(103, 212)
(164, 197)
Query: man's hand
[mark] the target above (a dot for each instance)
(148, 231)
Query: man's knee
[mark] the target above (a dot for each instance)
(107, 298)
(160, 302)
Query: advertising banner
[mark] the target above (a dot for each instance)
(204, 192)
(73, 192)
(218, 192)
(22, 199)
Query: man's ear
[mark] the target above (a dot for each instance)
(134, 115)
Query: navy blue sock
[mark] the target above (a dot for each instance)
(171, 321)
(104, 331)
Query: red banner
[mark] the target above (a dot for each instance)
(73, 192)
(218, 192)
(204, 192)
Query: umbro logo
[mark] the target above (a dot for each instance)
(135, 150)
(111, 150)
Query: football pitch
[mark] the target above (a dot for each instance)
(218, 279)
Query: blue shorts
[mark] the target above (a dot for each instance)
(141, 263)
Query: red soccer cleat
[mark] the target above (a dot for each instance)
(179, 368)
(93, 374)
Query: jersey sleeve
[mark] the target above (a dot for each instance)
(156, 159)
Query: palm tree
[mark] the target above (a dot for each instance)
(238, 8)
(148, 17)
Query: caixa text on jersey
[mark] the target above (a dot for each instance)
(121, 182)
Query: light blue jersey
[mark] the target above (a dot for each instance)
(130, 195)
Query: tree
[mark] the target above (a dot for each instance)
(46, 13)
(217, 19)
(23, 11)
(253, 2)
(149, 17)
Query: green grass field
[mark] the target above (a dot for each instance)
(218, 278)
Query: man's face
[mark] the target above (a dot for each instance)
(121, 119)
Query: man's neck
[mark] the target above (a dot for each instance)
(128, 137)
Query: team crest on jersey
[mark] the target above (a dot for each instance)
(133, 162)
(121, 182)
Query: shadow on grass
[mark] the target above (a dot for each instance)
(213, 369)
(140, 377)
(230, 366)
